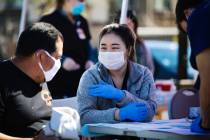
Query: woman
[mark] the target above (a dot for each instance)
(116, 89)
(76, 52)
(143, 55)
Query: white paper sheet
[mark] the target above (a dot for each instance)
(178, 126)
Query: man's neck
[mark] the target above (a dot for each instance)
(26, 65)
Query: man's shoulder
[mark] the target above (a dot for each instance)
(4, 65)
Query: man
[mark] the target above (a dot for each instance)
(74, 27)
(197, 25)
(24, 106)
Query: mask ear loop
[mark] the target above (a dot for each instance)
(49, 57)
(39, 63)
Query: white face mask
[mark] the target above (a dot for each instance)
(52, 72)
(112, 60)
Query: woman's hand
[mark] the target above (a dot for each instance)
(70, 65)
(107, 91)
(196, 127)
(134, 111)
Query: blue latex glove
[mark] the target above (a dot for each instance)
(134, 111)
(196, 126)
(107, 91)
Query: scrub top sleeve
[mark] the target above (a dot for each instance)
(199, 29)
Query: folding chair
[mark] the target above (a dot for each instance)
(181, 103)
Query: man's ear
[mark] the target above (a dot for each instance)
(44, 59)
(39, 55)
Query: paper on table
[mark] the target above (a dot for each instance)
(178, 126)
(131, 126)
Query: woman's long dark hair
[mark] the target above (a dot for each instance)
(125, 33)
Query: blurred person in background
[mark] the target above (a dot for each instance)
(77, 49)
(25, 106)
(116, 89)
(143, 55)
(193, 16)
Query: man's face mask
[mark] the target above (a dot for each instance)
(49, 74)
(78, 8)
(112, 60)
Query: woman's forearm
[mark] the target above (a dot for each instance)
(98, 116)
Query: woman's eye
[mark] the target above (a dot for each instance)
(103, 48)
(115, 48)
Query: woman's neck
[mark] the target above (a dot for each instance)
(66, 9)
(68, 14)
(118, 76)
(119, 73)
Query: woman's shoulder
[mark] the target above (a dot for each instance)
(140, 73)
(92, 71)
(91, 76)
(138, 68)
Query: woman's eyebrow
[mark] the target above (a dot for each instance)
(103, 44)
(114, 44)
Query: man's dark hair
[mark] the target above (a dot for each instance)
(37, 36)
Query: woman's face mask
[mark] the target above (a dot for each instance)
(112, 52)
(49, 74)
(112, 60)
(78, 8)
